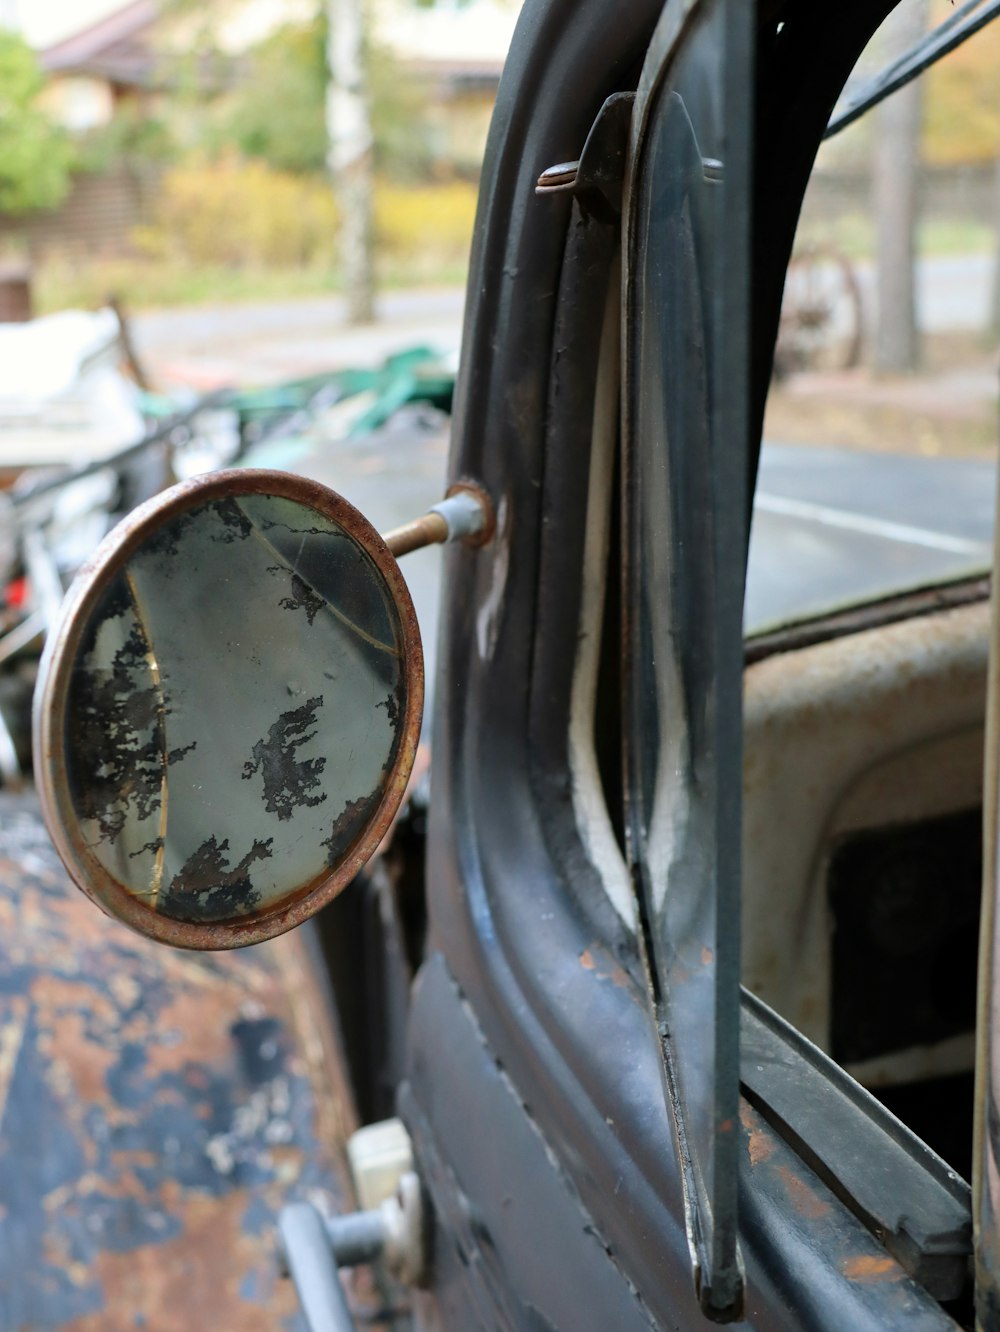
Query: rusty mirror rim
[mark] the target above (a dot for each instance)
(57, 664)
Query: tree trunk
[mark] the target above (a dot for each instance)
(896, 166)
(994, 328)
(350, 154)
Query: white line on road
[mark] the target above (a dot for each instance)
(860, 522)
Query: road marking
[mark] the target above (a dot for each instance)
(860, 522)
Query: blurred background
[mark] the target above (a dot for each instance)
(267, 192)
(899, 236)
(173, 153)
(197, 153)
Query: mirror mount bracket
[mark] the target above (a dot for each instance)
(465, 514)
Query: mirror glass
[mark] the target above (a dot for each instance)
(230, 714)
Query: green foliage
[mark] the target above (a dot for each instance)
(241, 214)
(237, 214)
(286, 71)
(404, 149)
(425, 228)
(962, 100)
(35, 155)
(132, 138)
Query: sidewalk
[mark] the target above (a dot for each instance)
(205, 348)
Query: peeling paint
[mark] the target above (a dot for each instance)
(156, 1110)
(288, 782)
(207, 888)
(302, 596)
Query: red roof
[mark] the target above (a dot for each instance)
(117, 47)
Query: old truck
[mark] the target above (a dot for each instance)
(620, 1109)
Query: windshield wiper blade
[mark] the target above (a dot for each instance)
(957, 28)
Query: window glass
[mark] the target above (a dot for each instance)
(877, 470)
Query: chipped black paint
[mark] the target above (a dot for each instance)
(155, 845)
(394, 703)
(207, 889)
(287, 780)
(236, 524)
(165, 542)
(115, 727)
(273, 525)
(348, 826)
(303, 597)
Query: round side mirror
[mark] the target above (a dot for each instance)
(228, 712)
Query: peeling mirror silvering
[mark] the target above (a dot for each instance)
(230, 716)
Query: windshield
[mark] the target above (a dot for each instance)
(877, 470)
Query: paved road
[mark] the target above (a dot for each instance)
(835, 525)
(266, 343)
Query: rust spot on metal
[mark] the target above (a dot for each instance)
(870, 1267)
(421, 767)
(213, 1276)
(802, 1195)
(760, 1144)
(597, 959)
(429, 530)
(707, 957)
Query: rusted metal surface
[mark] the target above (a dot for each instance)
(429, 530)
(787, 1202)
(156, 1111)
(52, 701)
(558, 178)
(436, 527)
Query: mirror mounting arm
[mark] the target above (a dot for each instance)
(465, 514)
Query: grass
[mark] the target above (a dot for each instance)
(922, 413)
(939, 237)
(143, 284)
(831, 420)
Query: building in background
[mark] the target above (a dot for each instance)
(106, 59)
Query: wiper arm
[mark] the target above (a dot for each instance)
(955, 29)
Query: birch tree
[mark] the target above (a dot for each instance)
(351, 152)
